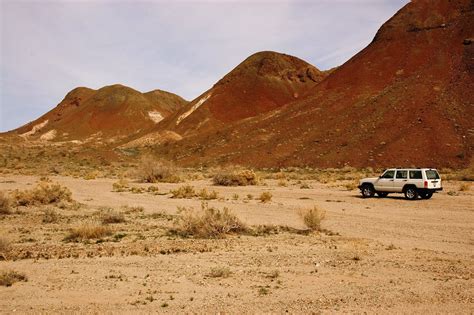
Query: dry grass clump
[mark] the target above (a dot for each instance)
(8, 278)
(130, 210)
(283, 183)
(266, 196)
(312, 218)
(43, 194)
(153, 171)
(50, 216)
(4, 203)
(120, 186)
(305, 186)
(87, 232)
(207, 223)
(235, 178)
(219, 272)
(5, 247)
(351, 185)
(186, 191)
(112, 217)
(465, 187)
(208, 195)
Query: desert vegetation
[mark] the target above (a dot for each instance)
(43, 194)
(266, 196)
(209, 222)
(5, 207)
(152, 170)
(5, 246)
(9, 277)
(235, 177)
(313, 217)
(88, 231)
(50, 215)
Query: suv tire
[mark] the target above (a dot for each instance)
(426, 195)
(367, 191)
(411, 193)
(382, 194)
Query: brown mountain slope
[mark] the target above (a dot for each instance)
(406, 99)
(112, 111)
(263, 82)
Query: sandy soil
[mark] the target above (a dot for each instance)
(387, 255)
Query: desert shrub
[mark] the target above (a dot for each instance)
(111, 217)
(206, 195)
(312, 218)
(305, 186)
(207, 223)
(88, 231)
(43, 194)
(154, 171)
(153, 190)
(249, 196)
(464, 187)
(468, 175)
(266, 196)
(283, 183)
(273, 274)
(129, 210)
(235, 196)
(5, 247)
(45, 179)
(50, 216)
(219, 272)
(235, 178)
(8, 278)
(137, 190)
(120, 186)
(91, 175)
(351, 185)
(186, 191)
(4, 203)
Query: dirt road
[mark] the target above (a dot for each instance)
(390, 255)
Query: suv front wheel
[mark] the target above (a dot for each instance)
(411, 193)
(367, 191)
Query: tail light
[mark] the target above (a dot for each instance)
(426, 184)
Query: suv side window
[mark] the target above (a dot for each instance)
(388, 174)
(416, 175)
(431, 174)
(402, 174)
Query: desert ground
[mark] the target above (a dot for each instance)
(378, 255)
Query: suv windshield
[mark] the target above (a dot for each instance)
(432, 174)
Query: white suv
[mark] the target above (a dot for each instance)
(413, 182)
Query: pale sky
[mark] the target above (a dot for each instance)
(47, 48)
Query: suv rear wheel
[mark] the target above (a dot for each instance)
(367, 191)
(411, 193)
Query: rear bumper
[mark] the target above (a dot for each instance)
(430, 190)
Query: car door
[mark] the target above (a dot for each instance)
(401, 178)
(416, 178)
(385, 181)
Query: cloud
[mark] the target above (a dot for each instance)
(50, 47)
